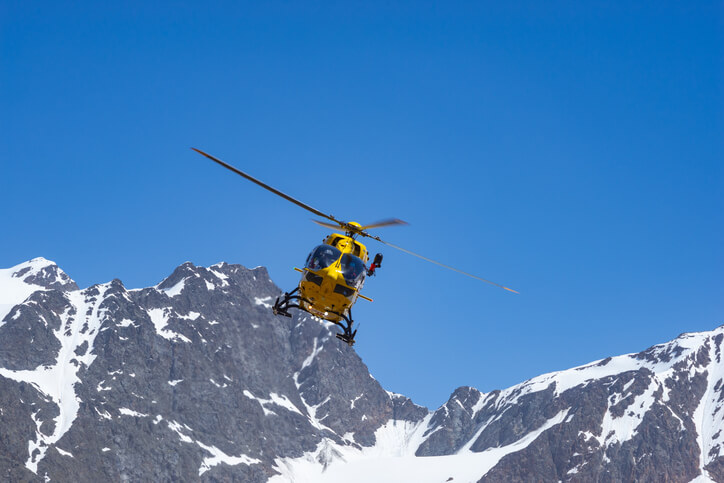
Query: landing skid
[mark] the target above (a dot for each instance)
(292, 301)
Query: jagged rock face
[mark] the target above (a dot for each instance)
(639, 417)
(192, 378)
(195, 379)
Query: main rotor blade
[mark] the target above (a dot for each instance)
(444, 266)
(327, 225)
(381, 223)
(266, 186)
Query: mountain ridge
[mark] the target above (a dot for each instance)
(194, 378)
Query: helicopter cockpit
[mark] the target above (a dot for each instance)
(352, 267)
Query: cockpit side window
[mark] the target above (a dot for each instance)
(353, 270)
(322, 257)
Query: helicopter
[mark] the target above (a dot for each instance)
(335, 271)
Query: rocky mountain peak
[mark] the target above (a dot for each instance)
(44, 273)
(22, 280)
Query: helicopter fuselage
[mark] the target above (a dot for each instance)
(333, 275)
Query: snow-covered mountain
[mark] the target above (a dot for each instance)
(195, 379)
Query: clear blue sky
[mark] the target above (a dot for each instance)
(573, 151)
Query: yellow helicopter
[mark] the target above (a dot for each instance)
(335, 271)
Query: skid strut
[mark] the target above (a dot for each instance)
(292, 301)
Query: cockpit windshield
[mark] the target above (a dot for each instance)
(322, 257)
(353, 270)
